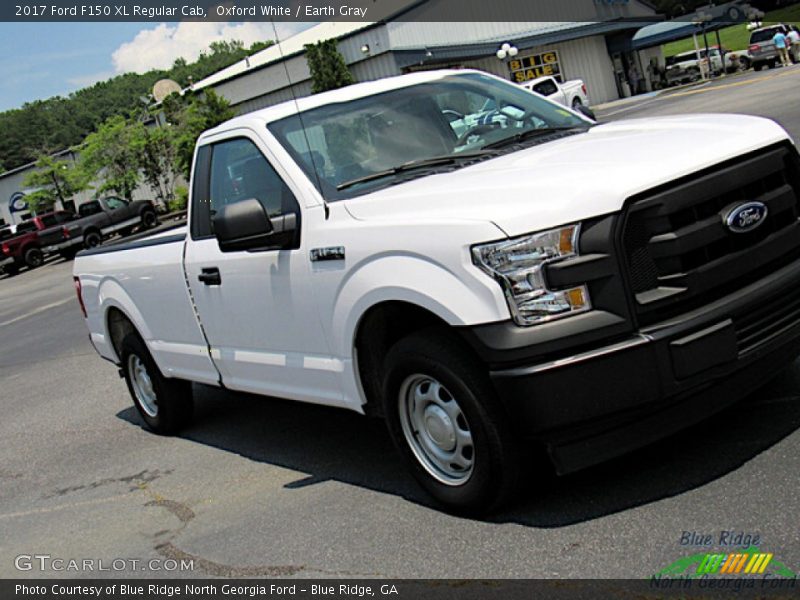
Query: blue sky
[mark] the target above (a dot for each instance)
(40, 60)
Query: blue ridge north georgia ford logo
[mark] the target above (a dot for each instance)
(746, 217)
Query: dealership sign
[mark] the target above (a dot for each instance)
(529, 67)
(17, 202)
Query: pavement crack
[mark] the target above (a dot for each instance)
(137, 481)
(180, 510)
(210, 567)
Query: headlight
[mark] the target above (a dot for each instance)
(518, 265)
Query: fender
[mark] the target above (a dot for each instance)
(110, 294)
(416, 279)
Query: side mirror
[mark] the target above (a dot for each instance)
(586, 112)
(245, 225)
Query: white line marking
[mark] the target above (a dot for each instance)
(38, 511)
(35, 312)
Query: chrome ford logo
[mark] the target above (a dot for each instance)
(746, 217)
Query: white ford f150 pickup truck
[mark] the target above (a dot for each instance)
(570, 93)
(590, 287)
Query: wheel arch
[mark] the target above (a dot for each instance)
(379, 328)
(119, 316)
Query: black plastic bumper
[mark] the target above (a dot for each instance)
(606, 400)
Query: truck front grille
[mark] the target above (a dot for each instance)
(766, 321)
(680, 253)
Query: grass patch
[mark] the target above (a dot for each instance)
(735, 37)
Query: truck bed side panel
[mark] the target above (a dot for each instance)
(147, 284)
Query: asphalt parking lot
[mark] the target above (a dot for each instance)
(271, 488)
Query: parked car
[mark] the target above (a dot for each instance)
(103, 217)
(762, 49)
(590, 287)
(571, 93)
(685, 67)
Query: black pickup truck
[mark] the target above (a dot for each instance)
(98, 219)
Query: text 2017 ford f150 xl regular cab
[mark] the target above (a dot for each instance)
(591, 287)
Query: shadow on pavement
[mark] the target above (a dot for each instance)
(332, 444)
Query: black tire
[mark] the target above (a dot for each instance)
(173, 397)
(34, 258)
(744, 64)
(92, 239)
(494, 457)
(758, 66)
(68, 253)
(149, 219)
(576, 103)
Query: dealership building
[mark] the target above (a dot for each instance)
(594, 45)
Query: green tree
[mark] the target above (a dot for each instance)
(54, 179)
(191, 119)
(327, 67)
(110, 155)
(62, 122)
(155, 156)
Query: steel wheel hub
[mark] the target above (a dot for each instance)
(436, 429)
(142, 385)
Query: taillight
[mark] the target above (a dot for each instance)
(583, 87)
(65, 231)
(755, 48)
(6, 250)
(80, 296)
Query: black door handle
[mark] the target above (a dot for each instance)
(210, 276)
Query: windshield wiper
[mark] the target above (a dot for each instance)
(528, 134)
(414, 165)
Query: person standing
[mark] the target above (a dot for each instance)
(780, 41)
(793, 39)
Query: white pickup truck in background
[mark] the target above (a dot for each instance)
(545, 281)
(572, 93)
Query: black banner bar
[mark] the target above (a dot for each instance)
(434, 589)
(549, 11)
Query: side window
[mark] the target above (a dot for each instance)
(239, 171)
(115, 203)
(90, 208)
(49, 220)
(545, 88)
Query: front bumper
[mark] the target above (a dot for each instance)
(609, 399)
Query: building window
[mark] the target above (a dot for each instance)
(525, 68)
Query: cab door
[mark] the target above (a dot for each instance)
(257, 307)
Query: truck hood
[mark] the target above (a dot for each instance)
(574, 178)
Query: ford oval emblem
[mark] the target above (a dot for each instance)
(746, 217)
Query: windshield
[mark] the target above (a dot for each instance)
(355, 147)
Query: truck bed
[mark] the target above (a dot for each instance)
(148, 269)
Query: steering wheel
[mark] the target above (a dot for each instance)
(475, 131)
(452, 115)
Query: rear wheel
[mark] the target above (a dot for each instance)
(92, 239)
(149, 219)
(757, 66)
(34, 257)
(446, 421)
(164, 404)
(68, 253)
(576, 103)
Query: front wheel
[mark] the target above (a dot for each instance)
(446, 421)
(164, 404)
